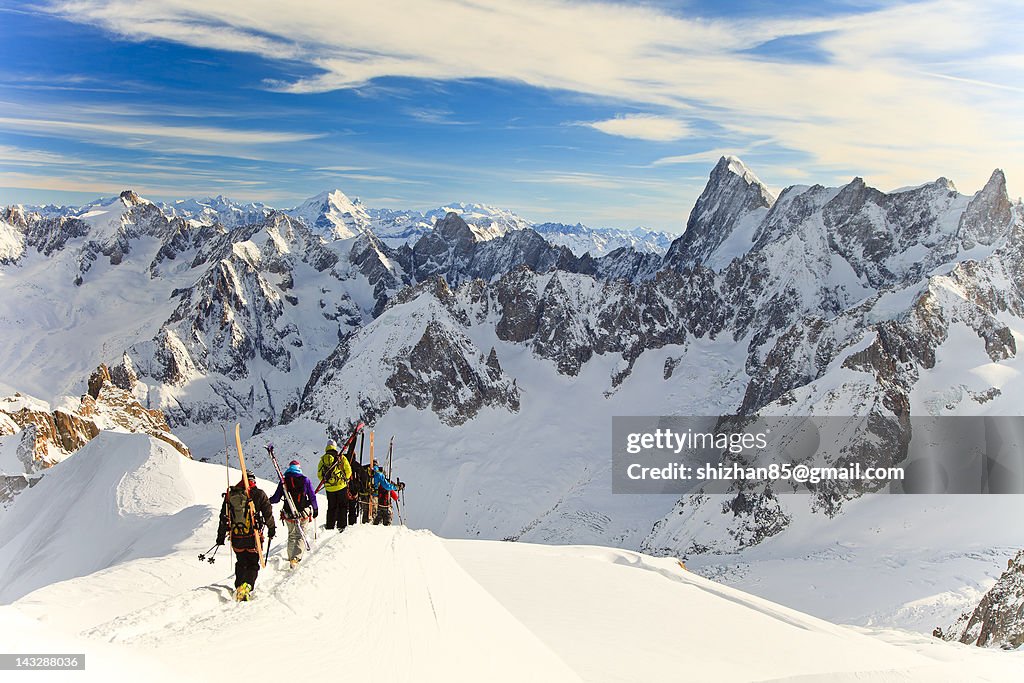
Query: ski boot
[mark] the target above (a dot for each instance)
(243, 593)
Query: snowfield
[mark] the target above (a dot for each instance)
(101, 558)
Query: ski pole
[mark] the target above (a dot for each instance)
(391, 450)
(203, 556)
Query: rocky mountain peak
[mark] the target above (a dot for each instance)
(333, 214)
(14, 215)
(732, 193)
(455, 230)
(48, 435)
(131, 198)
(989, 214)
(730, 164)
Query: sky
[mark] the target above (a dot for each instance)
(607, 113)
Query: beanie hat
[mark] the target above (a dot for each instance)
(294, 462)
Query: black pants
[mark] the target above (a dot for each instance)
(247, 568)
(337, 508)
(353, 510)
(383, 516)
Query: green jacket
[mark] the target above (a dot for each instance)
(336, 479)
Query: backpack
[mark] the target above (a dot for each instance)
(362, 480)
(238, 512)
(297, 490)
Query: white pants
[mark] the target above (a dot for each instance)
(295, 545)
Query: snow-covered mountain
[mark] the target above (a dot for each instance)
(497, 360)
(333, 215)
(219, 209)
(601, 241)
(398, 227)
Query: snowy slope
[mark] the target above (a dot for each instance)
(333, 215)
(427, 609)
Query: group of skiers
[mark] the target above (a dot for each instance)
(352, 491)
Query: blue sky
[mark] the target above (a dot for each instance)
(606, 113)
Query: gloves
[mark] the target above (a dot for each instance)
(220, 540)
(401, 486)
(315, 512)
(271, 532)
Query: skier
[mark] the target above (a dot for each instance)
(334, 471)
(352, 493)
(362, 490)
(301, 490)
(386, 492)
(235, 518)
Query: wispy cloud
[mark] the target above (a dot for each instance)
(34, 157)
(866, 104)
(343, 169)
(643, 127)
(149, 130)
(706, 157)
(101, 184)
(593, 180)
(440, 117)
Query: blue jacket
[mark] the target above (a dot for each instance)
(305, 485)
(380, 481)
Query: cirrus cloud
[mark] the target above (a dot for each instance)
(899, 93)
(643, 127)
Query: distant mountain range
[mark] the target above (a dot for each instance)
(334, 215)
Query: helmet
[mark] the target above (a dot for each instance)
(251, 476)
(332, 447)
(294, 462)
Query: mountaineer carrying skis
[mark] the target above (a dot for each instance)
(301, 490)
(235, 518)
(386, 491)
(361, 490)
(334, 471)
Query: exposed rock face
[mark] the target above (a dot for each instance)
(443, 374)
(431, 364)
(989, 214)
(381, 269)
(123, 375)
(42, 443)
(998, 620)
(248, 308)
(624, 263)
(732, 194)
(48, 436)
(453, 251)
